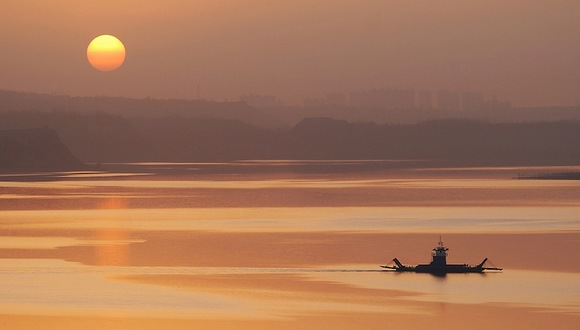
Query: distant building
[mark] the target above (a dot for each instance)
(313, 102)
(424, 100)
(261, 101)
(497, 105)
(472, 102)
(447, 100)
(336, 99)
(333, 99)
(384, 98)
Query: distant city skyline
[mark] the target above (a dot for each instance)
(393, 98)
(527, 53)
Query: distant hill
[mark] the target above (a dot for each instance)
(274, 116)
(102, 138)
(133, 133)
(130, 107)
(35, 150)
(457, 141)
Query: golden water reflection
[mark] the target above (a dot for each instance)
(315, 183)
(111, 253)
(301, 251)
(206, 292)
(50, 287)
(305, 219)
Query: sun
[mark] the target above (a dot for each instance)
(106, 53)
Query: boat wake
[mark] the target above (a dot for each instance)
(62, 267)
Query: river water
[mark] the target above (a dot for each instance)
(286, 244)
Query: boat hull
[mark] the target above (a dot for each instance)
(436, 270)
(448, 269)
(439, 264)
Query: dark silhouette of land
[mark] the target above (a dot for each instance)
(275, 115)
(552, 176)
(127, 107)
(35, 150)
(170, 131)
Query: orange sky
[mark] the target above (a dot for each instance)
(526, 51)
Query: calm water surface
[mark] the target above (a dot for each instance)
(280, 246)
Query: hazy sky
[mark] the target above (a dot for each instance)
(526, 51)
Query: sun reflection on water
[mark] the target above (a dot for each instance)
(136, 256)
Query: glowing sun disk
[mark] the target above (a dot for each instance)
(106, 53)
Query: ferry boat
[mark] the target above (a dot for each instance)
(439, 265)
